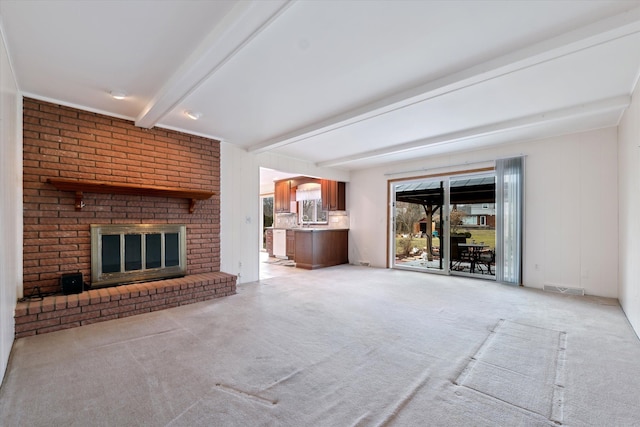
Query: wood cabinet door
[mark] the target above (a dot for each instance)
(282, 199)
(269, 241)
(338, 196)
(333, 195)
(325, 194)
(291, 244)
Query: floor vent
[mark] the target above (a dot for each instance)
(563, 290)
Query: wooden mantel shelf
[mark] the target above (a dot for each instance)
(80, 187)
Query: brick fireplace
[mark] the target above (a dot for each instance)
(70, 144)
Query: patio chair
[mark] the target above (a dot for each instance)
(457, 254)
(487, 259)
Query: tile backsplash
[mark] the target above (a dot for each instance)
(285, 220)
(337, 219)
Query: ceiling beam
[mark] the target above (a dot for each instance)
(582, 110)
(243, 22)
(597, 33)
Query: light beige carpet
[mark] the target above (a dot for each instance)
(522, 366)
(343, 346)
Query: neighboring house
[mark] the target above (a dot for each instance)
(479, 215)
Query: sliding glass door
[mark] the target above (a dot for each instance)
(445, 224)
(472, 225)
(418, 225)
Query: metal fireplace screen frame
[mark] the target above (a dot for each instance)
(135, 248)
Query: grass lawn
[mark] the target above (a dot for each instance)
(484, 235)
(487, 236)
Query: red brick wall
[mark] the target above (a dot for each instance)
(63, 142)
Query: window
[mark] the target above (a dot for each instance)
(310, 212)
(469, 220)
(309, 198)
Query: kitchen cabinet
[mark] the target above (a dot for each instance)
(318, 248)
(269, 241)
(333, 195)
(282, 199)
(291, 244)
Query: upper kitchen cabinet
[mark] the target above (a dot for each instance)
(282, 199)
(333, 195)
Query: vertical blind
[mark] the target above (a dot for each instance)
(509, 219)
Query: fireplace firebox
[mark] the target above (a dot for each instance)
(130, 253)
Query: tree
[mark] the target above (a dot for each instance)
(455, 220)
(267, 211)
(407, 214)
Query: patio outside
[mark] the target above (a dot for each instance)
(472, 225)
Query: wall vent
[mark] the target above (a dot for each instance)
(563, 290)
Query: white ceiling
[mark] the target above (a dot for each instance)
(348, 84)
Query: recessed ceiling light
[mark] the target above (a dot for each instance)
(193, 115)
(118, 94)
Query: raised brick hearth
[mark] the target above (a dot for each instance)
(58, 312)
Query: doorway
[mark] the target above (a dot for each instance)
(266, 219)
(270, 267)
(445, 224)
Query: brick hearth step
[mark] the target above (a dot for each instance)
(53, 313)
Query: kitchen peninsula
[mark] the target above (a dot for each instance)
(313, 248)
(321, 247)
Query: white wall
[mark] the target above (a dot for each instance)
(570, 212)
(11, 206)
(239, 213)
(240, 204)
(629, 211)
